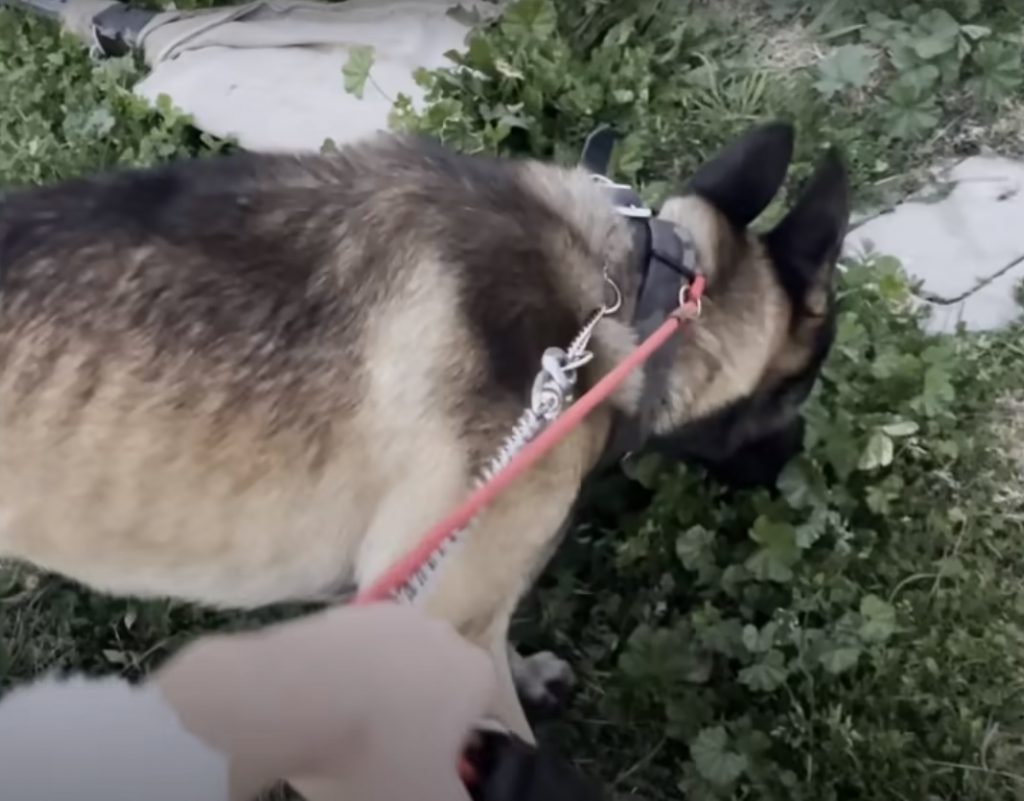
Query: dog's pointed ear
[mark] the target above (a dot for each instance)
(741, 180)
(808, 240)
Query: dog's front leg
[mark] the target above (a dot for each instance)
(543, 681)
(484, 577)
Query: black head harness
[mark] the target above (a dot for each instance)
(666, 260)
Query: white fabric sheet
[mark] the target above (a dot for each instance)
(270, 73)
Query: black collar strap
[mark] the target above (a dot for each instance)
(665, 256)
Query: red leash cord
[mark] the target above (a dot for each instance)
(406, 567)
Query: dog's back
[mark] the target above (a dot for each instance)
(214, 375)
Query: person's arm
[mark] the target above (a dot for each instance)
(372, 703)
(102, 740)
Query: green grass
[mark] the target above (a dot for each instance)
(858, 637)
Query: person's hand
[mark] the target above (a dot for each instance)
(377, 700)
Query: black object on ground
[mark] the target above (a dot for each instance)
(510, 770)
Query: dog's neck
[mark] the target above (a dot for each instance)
(663, 260)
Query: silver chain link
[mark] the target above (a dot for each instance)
(553, 390)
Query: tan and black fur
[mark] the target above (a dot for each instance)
(258, 378)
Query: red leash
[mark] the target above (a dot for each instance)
(404, 569)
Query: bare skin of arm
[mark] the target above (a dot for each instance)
(373, 704)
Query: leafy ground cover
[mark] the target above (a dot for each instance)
(857, 635)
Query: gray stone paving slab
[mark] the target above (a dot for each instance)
(963, 237)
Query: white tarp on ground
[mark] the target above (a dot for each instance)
(270, 73)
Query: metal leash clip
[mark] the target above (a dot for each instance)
(555, 382)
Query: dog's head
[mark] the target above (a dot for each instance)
(736, 387)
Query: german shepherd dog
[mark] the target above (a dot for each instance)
(260, 378)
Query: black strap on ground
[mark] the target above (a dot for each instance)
(115, 29)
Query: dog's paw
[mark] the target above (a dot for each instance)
(544, 682)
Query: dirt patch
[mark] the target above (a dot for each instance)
(1008, 128)
(779, 45)
(791, 47)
